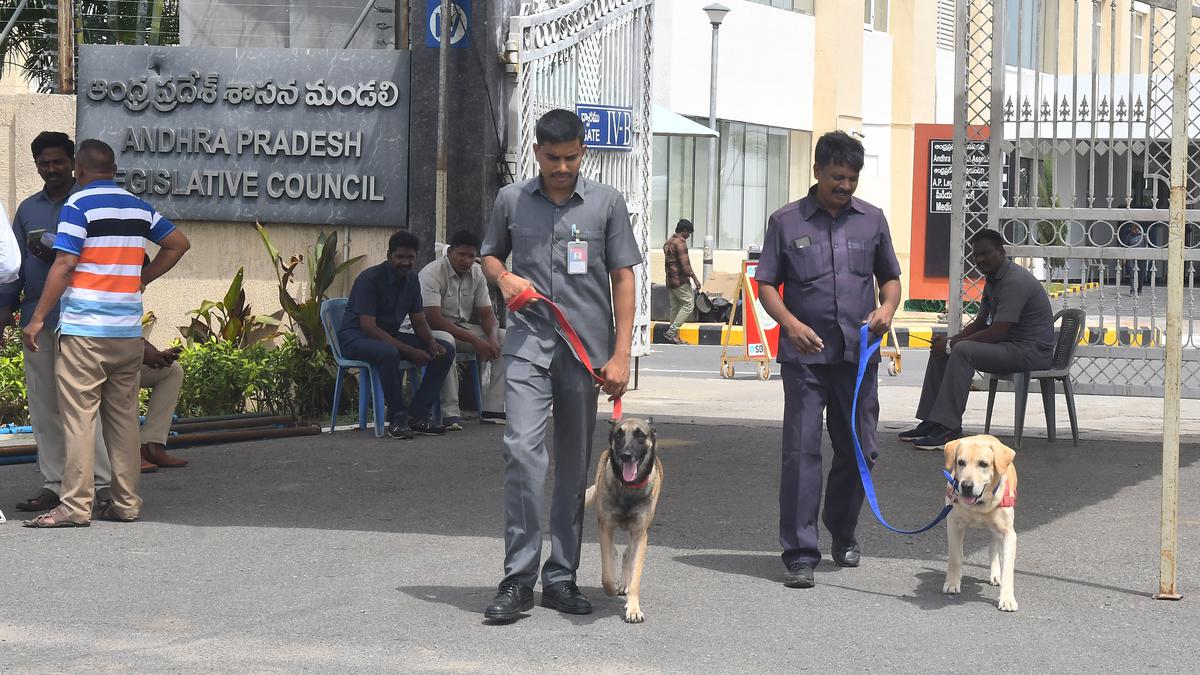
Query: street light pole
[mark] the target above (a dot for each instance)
(716, 14)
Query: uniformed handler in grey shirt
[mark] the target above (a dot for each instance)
(1013, 332)
(828, 251)
(539, 221)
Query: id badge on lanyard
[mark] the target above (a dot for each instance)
(577, 254)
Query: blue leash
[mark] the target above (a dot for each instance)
(868, 345)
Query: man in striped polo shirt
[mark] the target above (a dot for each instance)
(99, 276)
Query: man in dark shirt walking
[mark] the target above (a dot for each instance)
(1014, 331)
(381, 298)
(680, 278)
(828, 251)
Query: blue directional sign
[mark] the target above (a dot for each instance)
(459, 25)
(608, 127)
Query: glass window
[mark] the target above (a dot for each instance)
(754, 177)
(875, 15)
(803, 6)
(732, 177)
(1139, 31)
(1018, 40)
(754, 190)
(660, 163)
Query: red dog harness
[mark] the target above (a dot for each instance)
(526, 296)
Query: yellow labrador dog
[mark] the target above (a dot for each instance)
(628, 481)
(984, 494)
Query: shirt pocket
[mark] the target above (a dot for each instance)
(810, 262)
(862, 256)
(529, 246)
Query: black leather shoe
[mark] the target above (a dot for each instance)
(799, 575)
(918, 432)
(510, 601)
(846, 555)
(566, 598)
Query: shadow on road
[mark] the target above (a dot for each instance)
(472, 600)
(721, 489)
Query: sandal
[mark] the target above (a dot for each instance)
(110, 514)
(55, 518)
(44, 501)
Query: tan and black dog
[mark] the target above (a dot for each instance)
(629, 479)
(985, 495)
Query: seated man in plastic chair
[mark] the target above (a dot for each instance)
(380, 300)
(455, 291)
(1013, 332)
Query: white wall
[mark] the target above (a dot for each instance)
(874, 182)
(765, 62)
(943, 87)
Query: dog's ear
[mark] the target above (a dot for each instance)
(1002, 456)
(950, 451)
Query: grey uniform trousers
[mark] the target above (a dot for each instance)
(948, 377)
(531, 393)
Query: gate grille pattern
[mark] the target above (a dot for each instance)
(1066, 112)
(593, 51)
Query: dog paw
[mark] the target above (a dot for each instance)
(1007, 603)
(995, 580)
(611, 589)
(633, 614)
(621, 590)
(952, 587)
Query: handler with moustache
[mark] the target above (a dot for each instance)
(827, 250)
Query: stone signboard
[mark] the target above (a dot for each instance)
(278, 135)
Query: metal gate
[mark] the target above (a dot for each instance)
(1062, 144)
(591, 52)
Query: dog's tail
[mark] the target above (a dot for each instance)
(589, 497)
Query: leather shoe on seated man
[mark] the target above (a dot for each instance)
(42, 501)
(156, 454)
(566, 598)
(846, 554)
(510, 601)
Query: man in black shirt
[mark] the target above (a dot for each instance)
(1013, 332)
(382, 297)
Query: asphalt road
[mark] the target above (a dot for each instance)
(352, 554)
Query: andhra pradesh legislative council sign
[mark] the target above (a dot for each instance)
(277, 135)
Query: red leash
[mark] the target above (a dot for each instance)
(529, 294)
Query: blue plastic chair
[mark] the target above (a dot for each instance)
(331, 317)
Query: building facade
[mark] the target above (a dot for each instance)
(789, 71)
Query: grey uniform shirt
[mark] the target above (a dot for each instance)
(459, 296)
(828, 267)
(1014, 296)
(535, 230)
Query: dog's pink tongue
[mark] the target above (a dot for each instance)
(969, 499)
(629, 471)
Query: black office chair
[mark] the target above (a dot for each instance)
(1070, 332)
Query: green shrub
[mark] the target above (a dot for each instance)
(218, 378)
(14, 402)
(298, 380)
(288, 379)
